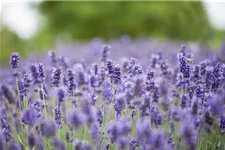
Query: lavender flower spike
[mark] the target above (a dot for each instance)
(14, 60)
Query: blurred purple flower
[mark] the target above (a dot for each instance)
(94, 132)
(55, 77)
(109, 66)
(58, 116)
(76, 118)
(41, 73)
(71, 84)
(105, 53)
(63, 62)
(58, 144)
(107, 92)
(99, 116)
(120, 104)
(155, 95)
(143, 129)
(14, 60)
(116, 75)
(53, 58)
(48, 128)
(60, 94)
(14, 146)
(39, 144)
(6, 130)
(34, 72)
(29, 116)
(188, 133)
(184, 101)
(1, 142)
(31, 140)
(222, 124)
(203, 66)
(8, 94)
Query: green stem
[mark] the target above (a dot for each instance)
(45, 108)
(84, 137)
(18, 93)
(109, 112)
(46, 113)
(25, 102)
(21, 141)
(59, 133)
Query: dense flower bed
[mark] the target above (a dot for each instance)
(134, 98)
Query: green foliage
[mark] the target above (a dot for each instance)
(78, 21)
(185, 21)
(10, 42)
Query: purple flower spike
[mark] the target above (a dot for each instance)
(184, 65)
(143, 129)
(60, 94)
(8, 94)
(105, 52)
(39, 144)
(78, 145)
(41, 73)
(196, 74)
(71, 85)
(76, 118)
(184, 101)
(94, 132)
(14, 60)
(67, 136)
(53, 58)
(55, 77)
(150, 75)
(63, 62)
(6, 130)
(29, 116)
(116, 75)
(99, 116)
(222, 124)
(120, 104)
(14, 146)
(27, 80)
(34, 72)
(95, 69)
(1, 142)
(188, 133)
(31, 140)
(107, 92)
(110, 66)
(21, 87)
(48, 128)
(137, 70)
(58, 116)
(203, 66)
(59, 145)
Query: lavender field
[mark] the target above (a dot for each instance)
(120, 95)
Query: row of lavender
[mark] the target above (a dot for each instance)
(109, 105)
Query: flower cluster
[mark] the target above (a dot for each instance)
(116, 102)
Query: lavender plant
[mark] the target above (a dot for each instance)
(155, 101)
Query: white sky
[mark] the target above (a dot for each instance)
(24, 20)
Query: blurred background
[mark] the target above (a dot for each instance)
(42, 25)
